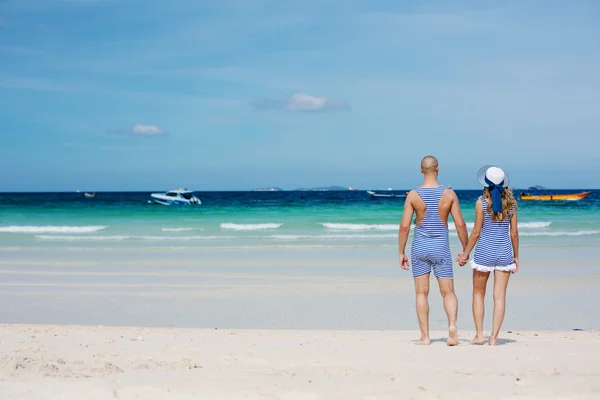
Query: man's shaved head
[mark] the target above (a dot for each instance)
(429, 164)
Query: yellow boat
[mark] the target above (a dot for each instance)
(554, 197)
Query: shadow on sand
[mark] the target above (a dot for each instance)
(463, 342)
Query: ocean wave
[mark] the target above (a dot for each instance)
(182, 237)
(572, 233)
(534, 225)
(187, 238)
(51, 229)
(249, 227)
(360, 227)
(341, 236)
(125, 237)
(69, 238)
(395, 227)
(281, 237)
(522, 225)
(177, 229)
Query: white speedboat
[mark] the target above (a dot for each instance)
(385, 195)
(176, 197)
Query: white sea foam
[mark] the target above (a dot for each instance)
(394, 227)
(51, 229)
(182, 237)
(70, 238)
(534, 225)
(522, 225)
(124, 237)
(188, 238)
(328, 237)
(249, 227)
(289, 237)
(572, 233)
(360, 227)
(177, 229)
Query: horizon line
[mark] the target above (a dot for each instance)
(260, 191)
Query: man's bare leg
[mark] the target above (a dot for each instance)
(451, 307)
(422, 292)
(479, 285)
(500, 284)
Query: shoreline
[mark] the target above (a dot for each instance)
(98, 362)
(327, 289)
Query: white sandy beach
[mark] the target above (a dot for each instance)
(83, 362)
(319, 324)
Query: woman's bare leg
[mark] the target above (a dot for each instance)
(479, 284)
(500, 284)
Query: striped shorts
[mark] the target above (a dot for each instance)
(441, 266)
(431, 254)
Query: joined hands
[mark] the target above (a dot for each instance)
(462, 259)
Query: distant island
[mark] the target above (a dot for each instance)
(537, 187)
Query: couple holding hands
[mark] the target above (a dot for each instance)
(495, 238)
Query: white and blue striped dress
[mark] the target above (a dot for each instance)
(494, 248)
(431, 246)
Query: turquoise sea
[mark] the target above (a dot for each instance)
(292, 260)
(257, 219)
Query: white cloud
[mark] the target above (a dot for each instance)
(306, 102)
(138, 130)
(300, 102)
(146, 130)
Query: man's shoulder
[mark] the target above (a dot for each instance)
(449, 193)
(412, 194)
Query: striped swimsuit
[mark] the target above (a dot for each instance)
(494, 248)
(431, 246)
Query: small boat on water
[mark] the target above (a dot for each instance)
(385, 195)
(176, 197)
(90, 195)
(554, 197)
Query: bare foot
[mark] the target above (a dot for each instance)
(452, 336)
(478, 340)
(423, 342)
(493, 341)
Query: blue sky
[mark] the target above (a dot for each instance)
(237, 94)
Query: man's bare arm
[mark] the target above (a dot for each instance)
(459, 221)
(405, 229)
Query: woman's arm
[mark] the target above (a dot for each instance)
(514, 238)
(475, 233)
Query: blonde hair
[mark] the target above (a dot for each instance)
(508, 203)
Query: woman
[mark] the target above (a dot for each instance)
(497, 238)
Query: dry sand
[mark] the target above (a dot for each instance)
(85, 362)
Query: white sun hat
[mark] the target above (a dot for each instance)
(494, 175)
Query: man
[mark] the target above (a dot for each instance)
(431, 246)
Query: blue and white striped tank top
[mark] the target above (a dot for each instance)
(494, 247)
(431, 236)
